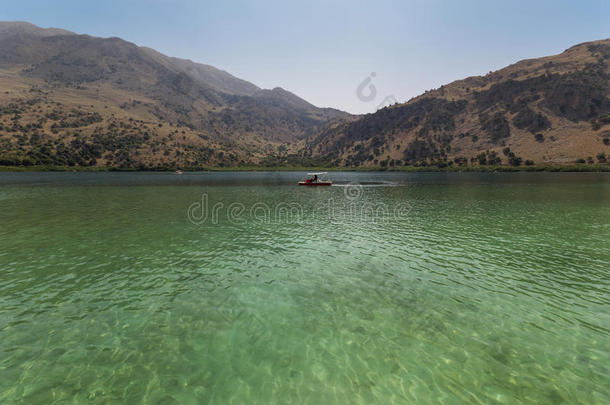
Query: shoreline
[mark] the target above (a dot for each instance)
(425, 169)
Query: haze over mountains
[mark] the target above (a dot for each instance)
(69, 99)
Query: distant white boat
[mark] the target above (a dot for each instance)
(179, 172)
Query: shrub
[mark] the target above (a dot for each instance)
(417, 150)
(539, 137)
(530, 120)
(595, 125)
(496, 126)
(462, 161)
(514, 160)
(529, 162)
(580, 160)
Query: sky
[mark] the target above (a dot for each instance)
(347, 54)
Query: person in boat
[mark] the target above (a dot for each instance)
(315, 178)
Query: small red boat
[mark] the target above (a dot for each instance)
(315, 180)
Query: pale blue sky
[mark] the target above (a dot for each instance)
(322, 50)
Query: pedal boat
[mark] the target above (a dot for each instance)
(316, 180)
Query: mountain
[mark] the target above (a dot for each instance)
(554, 109)
(78, 99)
(69, 99)
(205, 74)
(25, 28)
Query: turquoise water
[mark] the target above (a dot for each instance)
(402, 288)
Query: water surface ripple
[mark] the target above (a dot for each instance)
(488, 288)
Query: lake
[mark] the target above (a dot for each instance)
(244, 288)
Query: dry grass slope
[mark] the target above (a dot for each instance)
(551, 110)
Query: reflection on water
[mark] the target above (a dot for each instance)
(493, 289)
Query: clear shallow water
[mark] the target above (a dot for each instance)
(454, 288)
